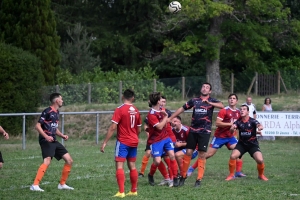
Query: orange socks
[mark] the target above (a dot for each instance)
(260, 169)
(40, 173)
(65, 173)
(239, 165)
(120, 179)
(232, 164)
(201, 168)
(144, 164)
(186, 163)
(133, 179)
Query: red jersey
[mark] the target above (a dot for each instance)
(181, 135)
(227, 115)
(154, 117)
(128, 118)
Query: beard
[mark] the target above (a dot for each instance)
(204, 94)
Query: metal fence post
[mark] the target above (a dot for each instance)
(23, 133)
(154, 85)
(256, 83)
(62, 127)
(232, 82)
(89, 93)
(56, 88)
(97, 128)
(120, 92)
(183, 87)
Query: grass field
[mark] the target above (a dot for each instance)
(93, 174)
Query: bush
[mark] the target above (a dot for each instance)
(21, 81)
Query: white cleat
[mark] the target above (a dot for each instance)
(36, 188)
(64, 187)
(164, 182)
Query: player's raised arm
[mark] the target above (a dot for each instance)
(176, 113)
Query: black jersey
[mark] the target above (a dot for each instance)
(202, 114)
(49, 122)
(247, 131)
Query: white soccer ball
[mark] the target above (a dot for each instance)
(174, 7)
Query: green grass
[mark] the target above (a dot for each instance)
(93, 174)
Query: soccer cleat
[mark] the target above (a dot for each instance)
(190, 171)
(171, 183)
(239, 174)
(197, 183)
(164, 182)
(262, 177)
(181, 181)
(64, 187)
(141, 174)
(151, 180)
(230, 178)
(36, 188)
(131, 194)
(120, 195)
(175, 182)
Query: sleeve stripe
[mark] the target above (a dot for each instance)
(155, 124)
(114, 122)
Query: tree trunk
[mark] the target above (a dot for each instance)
(213, 64)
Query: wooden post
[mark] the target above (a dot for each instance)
(278, 82)
(256, 83)
(183, 88)
(89, 93)
(207, 78)
(154, 85)
(283, 85)
(232, 82)
(120, 92)
(251, 85)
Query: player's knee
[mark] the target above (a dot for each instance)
(1, 165)
(69, 161)
(259, 161)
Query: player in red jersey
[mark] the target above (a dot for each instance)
(127, 121)
(223, 136)
(159, 138)
(200, 130)
(248, 128)
(6, 136)
(181, 133)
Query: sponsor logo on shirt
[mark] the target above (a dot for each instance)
(245, 133)
(200, 110)
(54, 125)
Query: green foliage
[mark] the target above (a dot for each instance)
(21, 80)
(31, 26)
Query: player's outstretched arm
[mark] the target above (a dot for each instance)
(176, 113)
(233, 128)
(110, 132)
(38, 127)
(60, 134)
(6, 136)
(221, 124)
(216, 104)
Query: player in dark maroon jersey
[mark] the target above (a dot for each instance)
(200, 129)
(47, 127)
(248, 128)
(223, 136)
(127, 121)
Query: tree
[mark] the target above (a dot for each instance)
(76, 54)
(31, 26)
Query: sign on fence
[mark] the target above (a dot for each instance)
(279, 123)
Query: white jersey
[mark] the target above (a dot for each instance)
(252, 109)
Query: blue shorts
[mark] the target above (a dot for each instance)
(217, 143)
(194, 155)
(123, 152)
(158, 148)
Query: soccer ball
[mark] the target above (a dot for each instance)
(174, 7)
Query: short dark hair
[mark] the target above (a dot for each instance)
(206, 83)
(128, 94)
(178, 117)
(244, 105)
(154, 97)
(267, 99)
(233, 94)
(54, 96)
(163, 97)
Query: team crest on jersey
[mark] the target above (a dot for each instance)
(132, 110)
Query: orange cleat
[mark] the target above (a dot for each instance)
(262, 177)
(230, 178)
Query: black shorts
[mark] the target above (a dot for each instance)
(199, 139)
(52, 149)
(242, 148)
(1, 159)
(147, 147)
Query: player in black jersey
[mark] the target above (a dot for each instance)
(47, 127)
(248, 128)
(200, 129)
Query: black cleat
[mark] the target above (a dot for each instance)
(197, 183)
(181, 181)
(175, 182)
(141, 175)
(151, 180)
